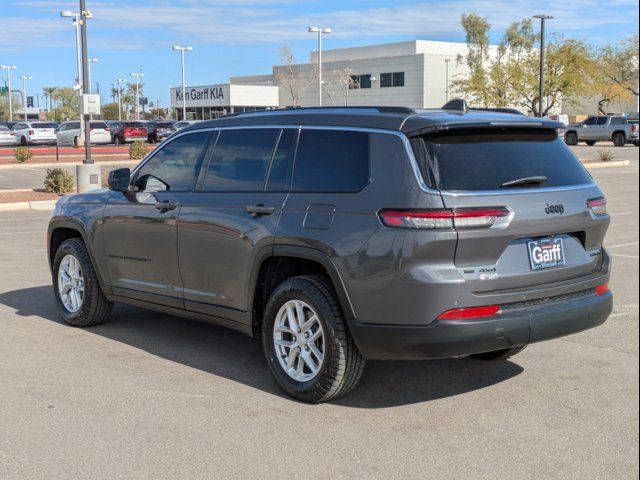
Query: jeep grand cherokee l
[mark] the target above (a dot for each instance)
(339, 235)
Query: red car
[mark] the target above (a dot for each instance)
(129, 132)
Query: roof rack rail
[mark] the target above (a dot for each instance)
(381, 109)
(460, 105)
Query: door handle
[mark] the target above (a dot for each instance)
(166, 206)
(259, 210)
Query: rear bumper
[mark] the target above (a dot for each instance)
(521, 326)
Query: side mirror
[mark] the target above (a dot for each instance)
(119, 180)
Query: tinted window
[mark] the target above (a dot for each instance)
(601, 121)
(99, 125)
(482, 159)
(134, 124)
(3, 129)
(73, 126)
(590, 121)
(331, 161)
(43, 125)
(240, 160)
(280, 170)
(618, 121)
(174, 166)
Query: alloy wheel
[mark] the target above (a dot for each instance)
(71, 283)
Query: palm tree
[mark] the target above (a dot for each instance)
(129, 96)
(49, 93)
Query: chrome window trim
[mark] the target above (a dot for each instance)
(408, 150)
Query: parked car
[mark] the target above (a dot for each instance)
(129, 132)
(608, 128)
(7, 137)
(158, 130)
(340, 235)
(69, 133)
(36, 133)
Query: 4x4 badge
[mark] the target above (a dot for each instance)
(554, 209)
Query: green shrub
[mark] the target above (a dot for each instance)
(23, 154)
(138, 150)
(59, 181)
(605, 155)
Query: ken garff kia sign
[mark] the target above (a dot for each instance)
(208, 96)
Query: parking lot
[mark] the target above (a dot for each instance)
(151, 396)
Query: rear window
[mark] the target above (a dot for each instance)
(134, 124)
(485, 159)
(331, 161)
(43, 125)
(99, 125)
(164, 125)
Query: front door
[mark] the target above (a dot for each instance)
(140, 227)
(233, 216)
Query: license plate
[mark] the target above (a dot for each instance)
(546, 253)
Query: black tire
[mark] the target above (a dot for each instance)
(342, 366)
(23, 141)
(76, 142)
(619, 140)
(116, 141)
(498, 355)
(591, 143)
(571, 139)
(95, 307)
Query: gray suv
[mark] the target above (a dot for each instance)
(339, 235)
(607, 128)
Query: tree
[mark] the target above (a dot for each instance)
(129, 96)
(67, 104)
(617, 73)
(508, 75)
(288, 76)
(344, 80)
(49, 93)
(109, 111)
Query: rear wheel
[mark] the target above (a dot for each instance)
(307, 345)
(591, 143)
(116, 141)
(79, 297)
(571, 138)
(498, 355)
(23, 141)
(619, 140)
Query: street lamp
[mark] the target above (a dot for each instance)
(8, 68)
(137, 76)
(77, 23)
(319, 31)
(447, 60)
(119, 93)
(24, 94)
(90, 60)
(178, 48)
(543, 19)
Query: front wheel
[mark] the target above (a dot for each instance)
(79, 297)
(571, 139)
(499, 355)
(306, 343)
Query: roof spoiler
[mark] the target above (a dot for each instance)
(460, 105)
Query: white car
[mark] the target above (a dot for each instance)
(7, 137)
(35, 133)
(69, 133)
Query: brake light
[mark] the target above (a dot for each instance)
(470, 313)
(634, 127)
(437, 219)
(598, 206)
(31, 132)
(602, 289)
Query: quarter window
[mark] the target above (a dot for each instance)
(240, 160)
(175, 165)
(331, 161)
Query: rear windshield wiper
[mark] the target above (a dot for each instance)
(537, 180)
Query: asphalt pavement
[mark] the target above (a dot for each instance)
(150, 396)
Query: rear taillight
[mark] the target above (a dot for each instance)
(470, 313)
(634, 127)
(31, 132)
(602, 289)
(13, 134)
(437, 219)
(598, 206)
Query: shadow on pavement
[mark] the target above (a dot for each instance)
(236, 357)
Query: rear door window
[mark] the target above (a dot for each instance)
(240, 160)
(331, 161)
(485, 159)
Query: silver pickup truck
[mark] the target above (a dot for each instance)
(606, 128)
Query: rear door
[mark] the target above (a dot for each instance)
(475, 169)
(233, 216)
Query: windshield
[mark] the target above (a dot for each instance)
(487, 159)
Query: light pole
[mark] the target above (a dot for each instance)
(319, 31)
(137, 77)
(446, 61)
(90, 61)
(543, 19)
(119, 93)
(77, 23)
(8, 68)
(24, 94)
(178, 48)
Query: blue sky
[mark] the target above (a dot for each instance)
(244, 37)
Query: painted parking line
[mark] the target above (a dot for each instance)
(620, 245)
(635, 257)
(620, 214)
(24, 218)
(23, 233)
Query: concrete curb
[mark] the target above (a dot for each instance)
(42, 205)
(592, 165)
(31, 166)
